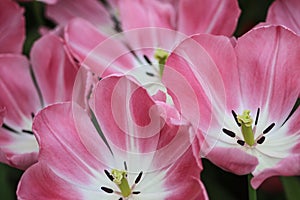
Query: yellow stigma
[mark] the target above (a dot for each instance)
(246, 125)
(245, 118)
(120, 178)
(161, 56)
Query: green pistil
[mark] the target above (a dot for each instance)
(120, 178)
(246, 124)
(161, 56)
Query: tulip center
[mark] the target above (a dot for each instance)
(119, 177)
(246, 122)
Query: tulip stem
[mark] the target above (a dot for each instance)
(251, 191)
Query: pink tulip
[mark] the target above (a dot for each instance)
(55, 74)
(145, 154)
(243, 96)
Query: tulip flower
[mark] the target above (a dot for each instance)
(244, 95)
(143, 151)
(23, 98)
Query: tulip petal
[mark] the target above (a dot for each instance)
(39, 178)
(146, 14)
(12, 27)
(205, 16)
(57, 130)
(54, 70)
(285, 12)
(269, 73)
(91, 10)
(236, 160)
(77, 41)
(19, 95)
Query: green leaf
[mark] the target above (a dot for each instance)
(291, 187)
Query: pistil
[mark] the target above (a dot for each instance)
(161, 56)
(120, 178)
(246, 126)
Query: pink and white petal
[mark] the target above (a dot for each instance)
(236, 160)
(19, 150)
(62, 148)
(103, 56)
(54, 70)
(39, 181)
(77, 41)
(221, 51)
(146, 14)
(208, 17)
(286, 167)
(269, 73)
(285, 146)
(285, 12)
(196, 80)
(182, 179)
(19, 95)
(91, 10)
(128, 117)
(12, 27)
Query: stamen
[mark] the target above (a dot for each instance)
(32, 115)
(9, 128)
(109, 175)
(241, 142)
(150, 74)
(125, 165)
(138, 178)
(235, 118)
(268, 128)
(261, 140)
(257, 116)
(147, 60)
(27, 131)
(136, 192)
(107, 190)
(228, 132)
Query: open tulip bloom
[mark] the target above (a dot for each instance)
(54, 73)
(144, 152)
(245, 92)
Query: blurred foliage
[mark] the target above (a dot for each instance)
(219, 184)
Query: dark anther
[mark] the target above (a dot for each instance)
(32, 115)
(228, 132)
(9, 128)
(138, 178)
(107, 190)
(147, 60)
(267, 130)
(241, 142)
(235, 118)
(125, 166)
(109, 175)
(257, 116)
(27, 131)
(136, 192)
(150, 74)
(261, 140)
